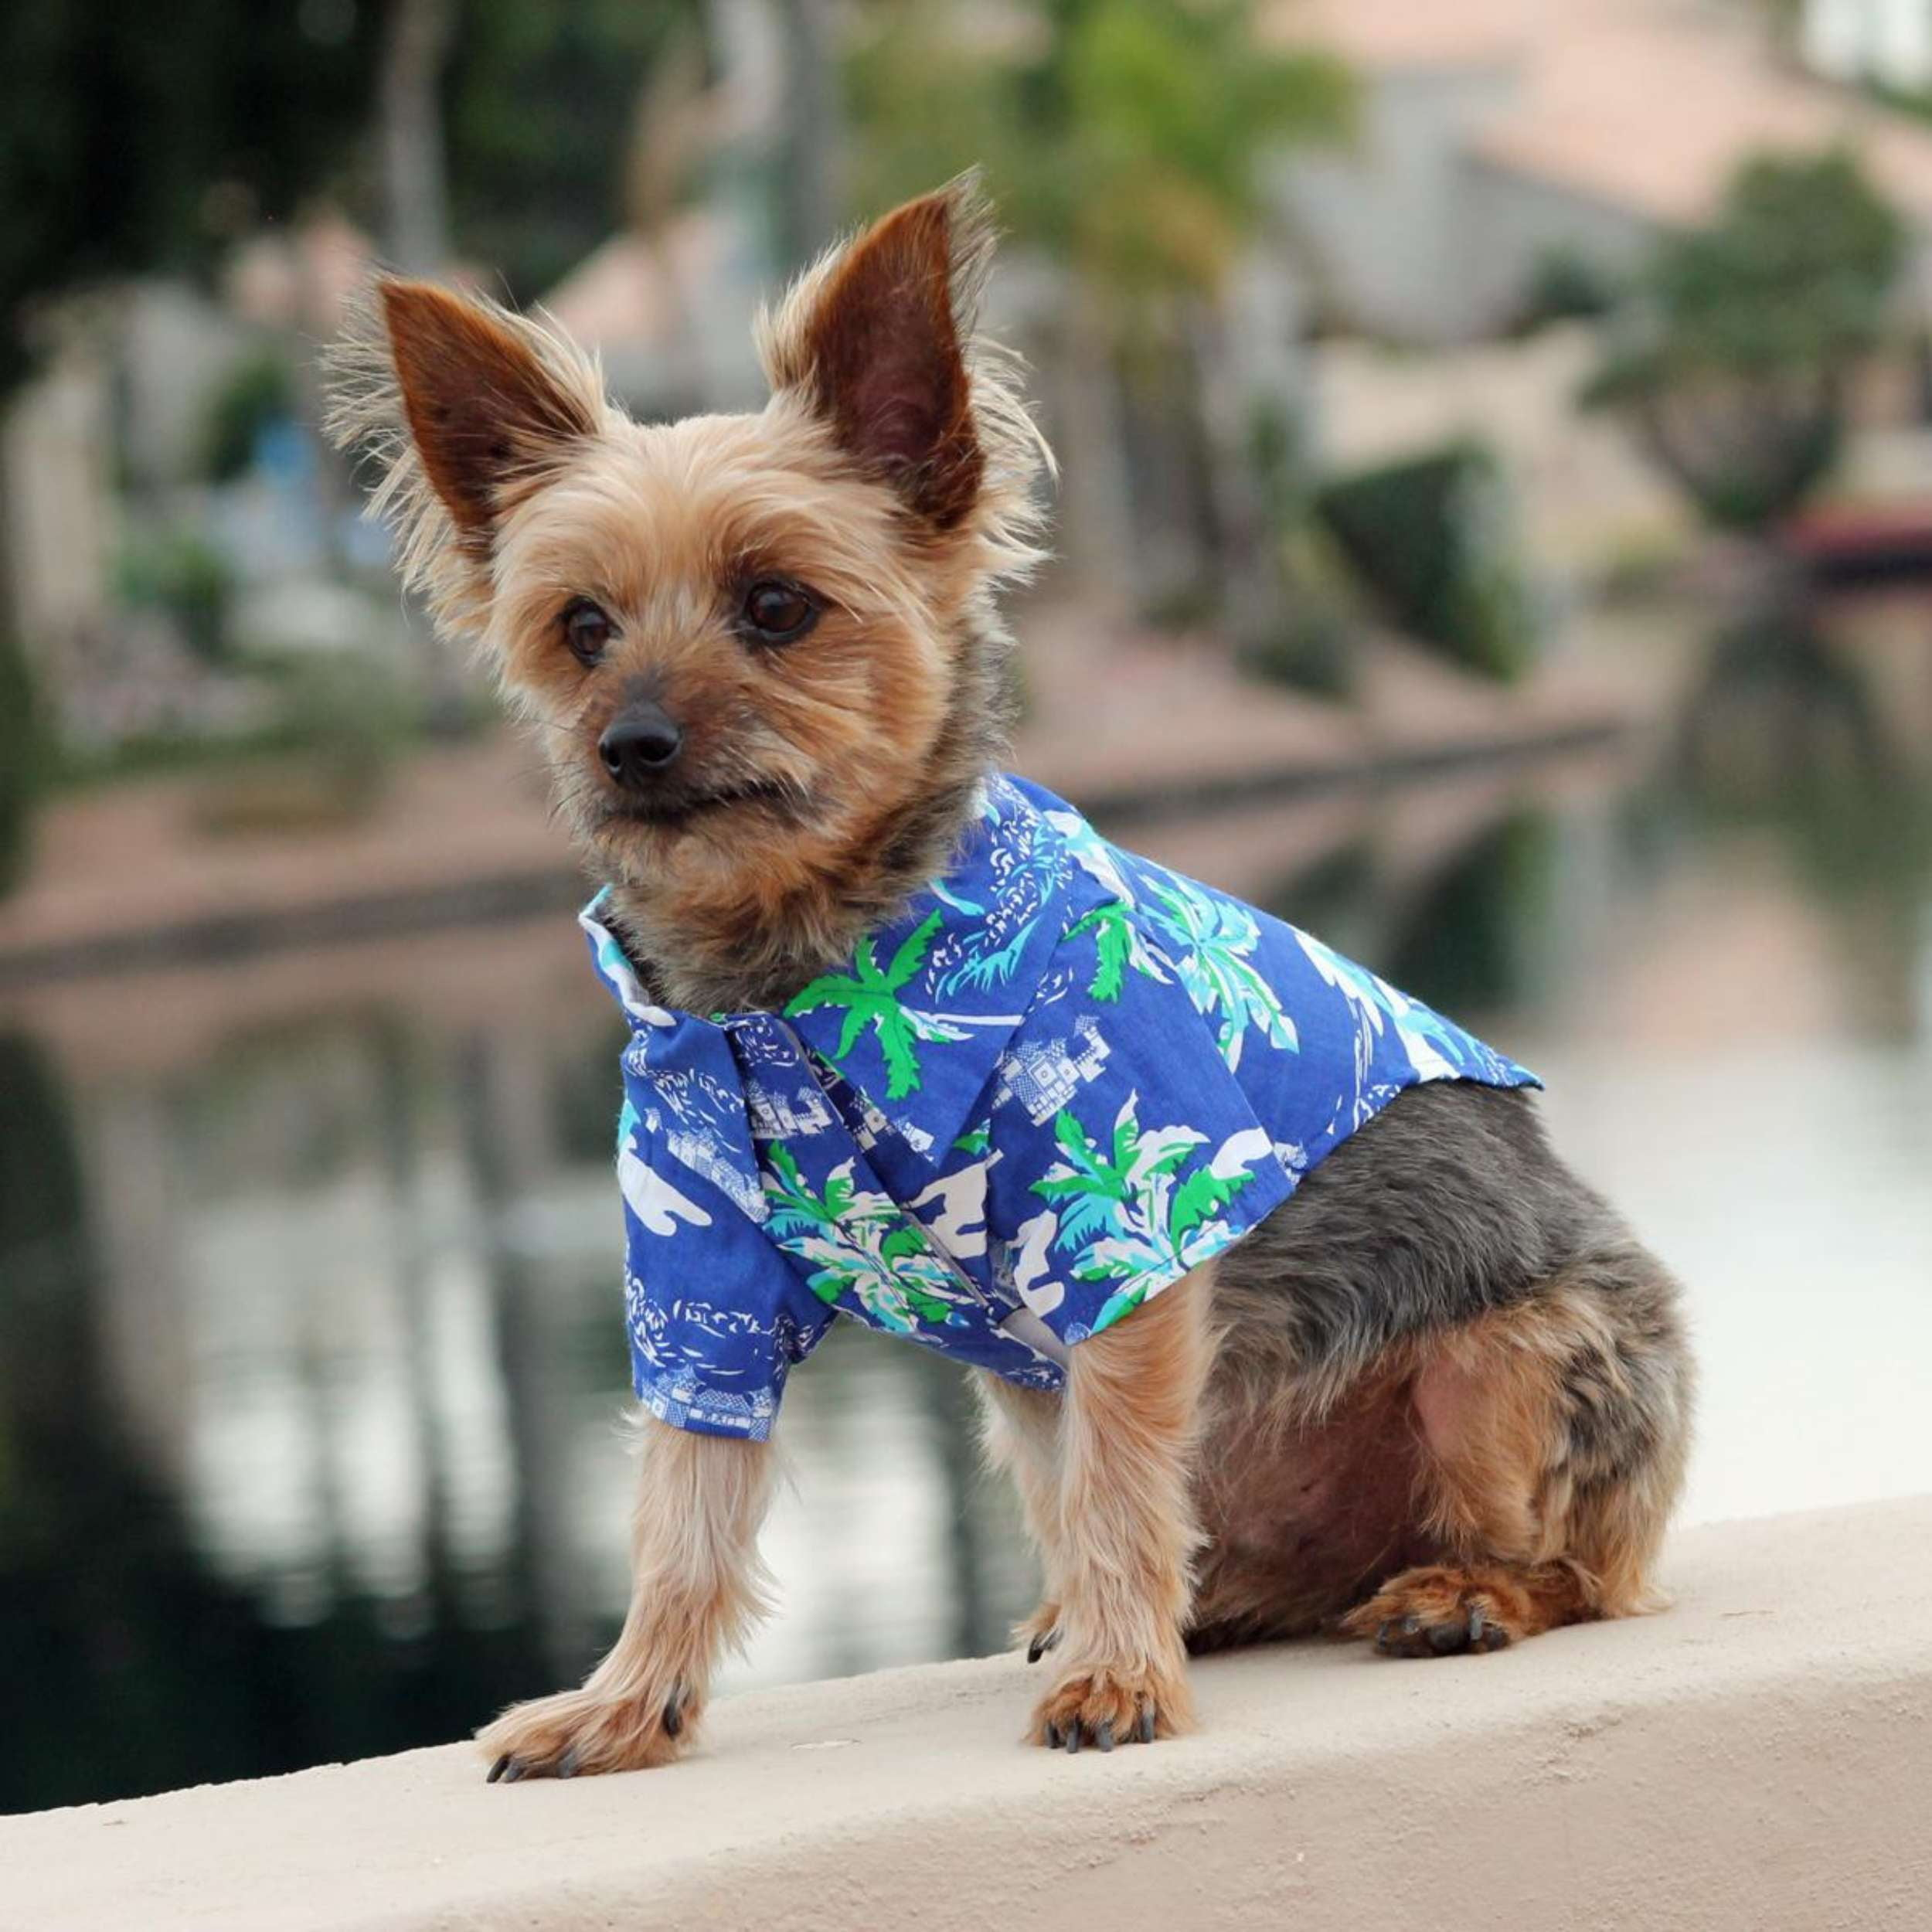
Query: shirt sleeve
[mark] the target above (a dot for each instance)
(716, 1316)
(1129, 1153)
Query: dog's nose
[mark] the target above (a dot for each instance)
(638, 742)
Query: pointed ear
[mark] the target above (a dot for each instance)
(875, 338)
(484, 404)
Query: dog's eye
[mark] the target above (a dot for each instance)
(587, 629)
(775, 612)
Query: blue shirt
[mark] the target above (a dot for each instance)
(1064, 1078)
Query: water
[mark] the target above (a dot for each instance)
(311, 1359)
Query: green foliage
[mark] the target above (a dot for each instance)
(257, 391)
(1309, 644)
(1121, 135)
(1428, 538)
(178, 572)
(141, 137)
(1733, 365)
(340, 725)
(542, 104)
(1567, 285)
(20, 756)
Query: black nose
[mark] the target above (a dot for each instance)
(638, 742)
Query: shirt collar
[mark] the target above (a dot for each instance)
(916, 1020)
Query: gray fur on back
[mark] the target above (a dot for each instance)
(1448, 1204)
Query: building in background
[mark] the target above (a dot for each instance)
(1864, 41)
(1500, 137)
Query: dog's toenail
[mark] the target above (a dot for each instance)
(567, 1764)
(515, 1771)
(1147, 1724)
(1410, 1625)
(1074, 1738)
(1105, 1736)
(1475, 1623)
(497, 1770)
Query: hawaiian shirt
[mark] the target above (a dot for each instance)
(1064, 1077)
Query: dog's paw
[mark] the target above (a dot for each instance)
(1039, 1632)
(1437, 1612)
(1105, 1706)
(581, 1732)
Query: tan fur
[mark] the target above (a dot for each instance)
(1124, 1531)
(1021, 1439)
(696, 1589)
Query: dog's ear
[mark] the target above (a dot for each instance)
(459, 406)
(485, 409)
(875, 340)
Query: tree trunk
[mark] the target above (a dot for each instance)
(1095, 510)
(811, 187)
(413, 183)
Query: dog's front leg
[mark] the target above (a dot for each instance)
(1126, 1529)
(697, 1588)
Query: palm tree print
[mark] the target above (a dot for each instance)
(862, 1246)
(1123, 1207)
(1214, 939)
(870, 998)
(1117, 944)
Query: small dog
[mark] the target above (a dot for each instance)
(1383, 1366)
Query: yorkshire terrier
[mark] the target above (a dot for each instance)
(1284, 1315)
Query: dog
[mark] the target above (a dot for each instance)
(1386, 1369)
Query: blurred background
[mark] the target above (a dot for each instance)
(1495, 531)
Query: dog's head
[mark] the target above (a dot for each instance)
(749, 640)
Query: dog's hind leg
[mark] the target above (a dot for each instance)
(1553, 1437)
(696, 1589)
(1126, 1526)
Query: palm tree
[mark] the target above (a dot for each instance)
(1122, 139)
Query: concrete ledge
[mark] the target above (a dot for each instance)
(1758, 1757)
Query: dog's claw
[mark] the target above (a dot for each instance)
(497, 1770)
(1143, 1730)
(567, 1765)
(1052, 1737)
(1105, 1736)
(515, 1771)
(673, 1714)
(1041, 1644)
(1074, 1738)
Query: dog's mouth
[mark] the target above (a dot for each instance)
(675, 811)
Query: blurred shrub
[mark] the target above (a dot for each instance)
(20, 757)
(1308, 643)
(256, 392)
(1567, 285)
(1429, 539)
(180, 573)
(1733, 364)
(343, 721)
(1121, 136)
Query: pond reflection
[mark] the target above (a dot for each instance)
(312, 1356)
